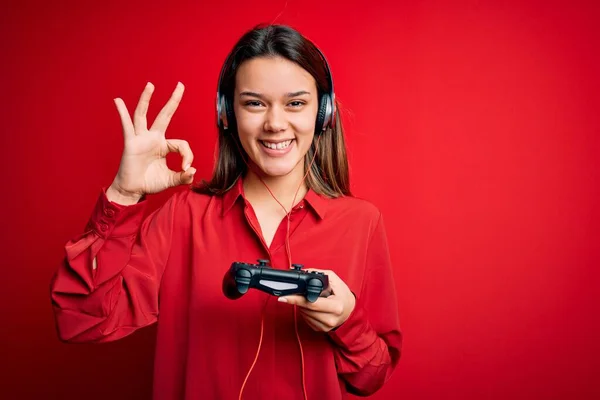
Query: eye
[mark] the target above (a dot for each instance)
(297, 103)
(253, 103)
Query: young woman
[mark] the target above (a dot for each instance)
(279, 192)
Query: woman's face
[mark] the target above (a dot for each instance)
(275, 104)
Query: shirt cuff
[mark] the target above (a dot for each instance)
(112, 219)
(356, 332)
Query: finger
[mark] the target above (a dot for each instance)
(183, 177)
(325, 306)
(164, 116)
(294, 299)
(324, 320)
(182, 147)
(128, 129)
(329, 304)
(315, 323)
(139, 116)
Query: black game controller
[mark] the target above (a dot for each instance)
(277, 282)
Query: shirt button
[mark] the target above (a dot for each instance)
(109, 212)
(103, 227)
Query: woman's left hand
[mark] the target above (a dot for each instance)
(326, 313)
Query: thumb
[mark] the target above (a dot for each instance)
(293, 299)
(183, 177)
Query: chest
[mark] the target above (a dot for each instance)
(268, 222)
(203, 251)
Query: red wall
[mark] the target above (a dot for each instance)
(474, 127)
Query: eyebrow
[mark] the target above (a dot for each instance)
(260, 96)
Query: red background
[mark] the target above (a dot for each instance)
(473, 125)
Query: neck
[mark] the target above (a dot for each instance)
(283, 188)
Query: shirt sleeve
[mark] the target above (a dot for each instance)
(368, 343)
(107, 284)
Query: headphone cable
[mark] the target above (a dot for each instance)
(289, 254)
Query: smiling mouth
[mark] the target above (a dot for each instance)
(277, 146)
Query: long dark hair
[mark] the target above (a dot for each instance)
(329, 173)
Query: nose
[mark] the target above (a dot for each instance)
(275, 120)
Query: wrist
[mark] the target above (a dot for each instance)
(116, 195)
(349, 310)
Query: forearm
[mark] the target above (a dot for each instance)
(88, 309)
(364, 358)
(106, 285)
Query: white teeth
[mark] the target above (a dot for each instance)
(277, 146)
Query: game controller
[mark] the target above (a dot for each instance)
(242, 276)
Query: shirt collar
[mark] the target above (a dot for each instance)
(231, 196)
(317, 202)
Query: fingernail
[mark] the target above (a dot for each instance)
(186, 167)
(282, 299)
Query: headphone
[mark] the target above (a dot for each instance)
(325, 115)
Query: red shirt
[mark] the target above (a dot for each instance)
(129, 270)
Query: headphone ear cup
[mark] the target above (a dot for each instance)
(221, 123)
(322, 114)
(231, 123)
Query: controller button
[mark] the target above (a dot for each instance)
(315, 283)
(244, 273)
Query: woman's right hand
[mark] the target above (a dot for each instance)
(143, 168)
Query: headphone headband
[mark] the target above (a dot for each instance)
(330, 114)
